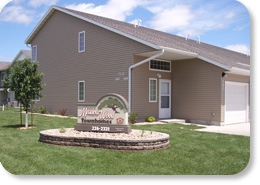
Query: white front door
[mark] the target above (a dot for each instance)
(165, 98)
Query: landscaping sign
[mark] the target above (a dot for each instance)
(110, 114)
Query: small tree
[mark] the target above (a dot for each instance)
(25, 80)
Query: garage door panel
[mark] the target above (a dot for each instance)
(236, 102)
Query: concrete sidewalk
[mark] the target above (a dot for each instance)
(242, 129)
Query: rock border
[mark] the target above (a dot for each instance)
(124, 142)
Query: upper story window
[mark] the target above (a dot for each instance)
(160, 65)
(34, 53)
(81, 41)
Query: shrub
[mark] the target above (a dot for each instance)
(42, 109)
(132, 117)
(34, 110)
(62, 112)
(62, 130)
(149, 119)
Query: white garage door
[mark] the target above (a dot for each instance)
(236, 101)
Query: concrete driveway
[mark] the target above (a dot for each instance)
(242, 129)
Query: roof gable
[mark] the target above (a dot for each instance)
(90, 19)
(22, 53)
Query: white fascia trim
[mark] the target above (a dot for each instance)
(172, 50)
(51, 10)
(238, 71)
(16, 57)
(35, 30)
(196, 55)
(214, 62)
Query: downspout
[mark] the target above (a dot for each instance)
(130, 75)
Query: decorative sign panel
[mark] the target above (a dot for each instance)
(110, 114)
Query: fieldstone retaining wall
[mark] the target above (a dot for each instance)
(107, 143)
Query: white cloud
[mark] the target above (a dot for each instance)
(171, 19)
(37, 3)
(16, 14)
(23, 12)
(241, 48)
(192, 16)
(115, 9)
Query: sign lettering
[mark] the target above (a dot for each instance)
(109, 115)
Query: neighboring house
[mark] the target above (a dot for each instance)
(84, 57)
(3, 92)
(21, 55)
(7, 97)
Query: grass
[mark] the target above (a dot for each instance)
(190, 152)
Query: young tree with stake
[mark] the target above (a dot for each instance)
(25, 80)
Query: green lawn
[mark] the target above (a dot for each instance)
(190, 152)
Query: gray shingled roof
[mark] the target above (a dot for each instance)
(28, 53)
(218, 54)
(161, 39)
(4, 65)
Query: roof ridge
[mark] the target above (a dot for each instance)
(155, 38)
(121, 22)
(150, 29)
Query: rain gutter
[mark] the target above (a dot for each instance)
(130, 75)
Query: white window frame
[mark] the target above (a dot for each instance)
(83, 91)
(160, 69)
(34, 53)
(150, 79)
(79, 42)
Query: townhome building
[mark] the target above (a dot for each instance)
(84, 56)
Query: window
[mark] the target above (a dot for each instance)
(36, 98)
(152, 90)
(34, 53)
(81, 91)
(160, 65)
(81, 46)
(2, 79)
(2, 76)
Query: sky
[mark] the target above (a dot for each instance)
(223, 23)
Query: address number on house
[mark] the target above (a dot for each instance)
(97, 128)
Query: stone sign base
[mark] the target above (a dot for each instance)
(102, 128)
(135, 142)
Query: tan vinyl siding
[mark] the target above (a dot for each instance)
(196, 91)
(106, 55)
(140, 90)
